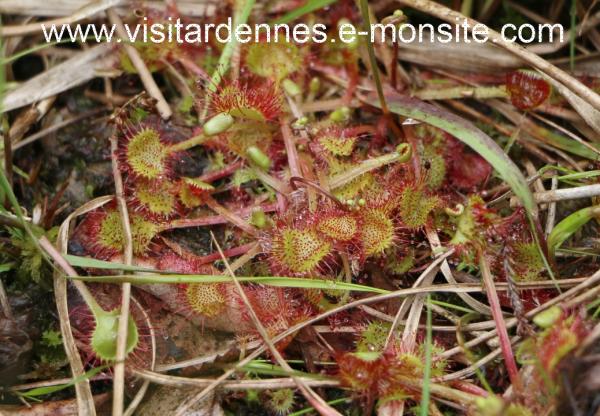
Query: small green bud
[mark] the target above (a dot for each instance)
(350, 202)
(362, 202)
(351, 44)
(258, 157)
(258, 218)
(300, 123)
(368, 355)
(491, 405)
(395, 18)
(548, 317)
(218, 124)
(315, 85)
(89, 191)
(291, 88)
(341, 115)
(252, 396)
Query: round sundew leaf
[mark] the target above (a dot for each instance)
(281, 401)
(299, 251)
(110, 234)
(147, 155)
(415, 206)
(142, 234)
(377, 231)
(156, 197)
(188, 198)
(197, 186)
(258, 103)
(338, 146)
(104, 337)
(343, 227)
(273, 60)
(192, 190)
(527, 89)
(204, 298)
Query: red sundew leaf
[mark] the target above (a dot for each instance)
(527, 89)
(470, 171)
(468, 134)
(531, 299)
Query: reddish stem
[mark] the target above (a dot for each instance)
(317, 187)
(235, 251)
(290, 148)
(193, 68)
(505, 345)
(412, 140)
(469, 388)
(394, 68)
(216, 219)
(352, 71)
(230, 216)
(221, 173)
(281, 203)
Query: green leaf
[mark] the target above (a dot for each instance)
(104, 337)
(41, 391)
(364, 11)
(311, 410)
(425, 393)
(569, 226)
(7, 192)
(87, 262)
(279, 281)
(267, 369)
(51, 338)
(25, 52)
(308, 7)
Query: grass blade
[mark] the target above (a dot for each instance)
(41, 391)
(425, 394)
(278, 281)
(364, 11)
(90, 263)
(569, 226)
(308, 7)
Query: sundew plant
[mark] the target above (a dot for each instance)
(283, 227)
